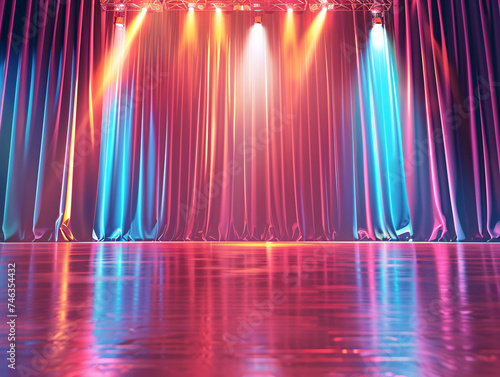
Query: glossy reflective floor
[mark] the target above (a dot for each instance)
(248, 310)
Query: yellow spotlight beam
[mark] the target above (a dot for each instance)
(121, 52)
(313, 34)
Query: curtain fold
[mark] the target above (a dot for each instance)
(207, 126)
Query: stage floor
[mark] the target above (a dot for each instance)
(255, 309)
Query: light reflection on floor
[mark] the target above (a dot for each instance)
(248, 310)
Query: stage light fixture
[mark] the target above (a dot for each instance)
(377, 18)
(289, 10)
(119, 21)
(218, 10)
(258, 19)
(377, 37)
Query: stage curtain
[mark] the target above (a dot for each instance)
(448, 56)
(207, 126)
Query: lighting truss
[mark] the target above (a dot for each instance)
(236, 5)
(247, 5)
(132, 5)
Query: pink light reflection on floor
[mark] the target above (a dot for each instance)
(263, 309)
